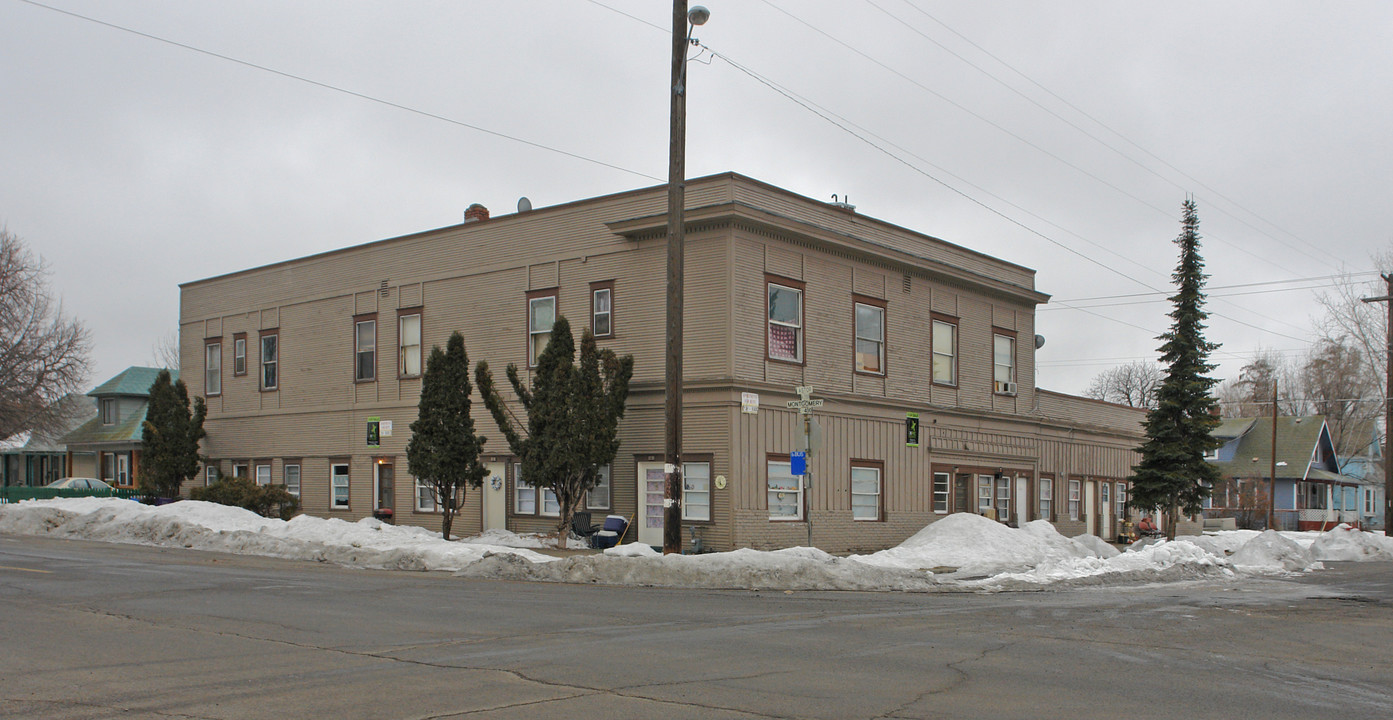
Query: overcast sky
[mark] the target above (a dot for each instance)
(152, 142)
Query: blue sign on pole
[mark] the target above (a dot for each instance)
(799, 461)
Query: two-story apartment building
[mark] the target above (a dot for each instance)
(922, 350)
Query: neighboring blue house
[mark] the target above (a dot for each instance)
(1310, 491)
(1366, 465)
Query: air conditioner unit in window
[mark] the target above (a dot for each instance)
(1006, 388)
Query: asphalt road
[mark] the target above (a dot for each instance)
(90, 630)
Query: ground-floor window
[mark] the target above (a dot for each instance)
(524, 495)
(696, 491)
(338, 486)
(263, 474)
(865, 491)
(1003, 497)
(984, 494)
(291, 471)
(1121, 500)
(1045, 496)
(598, 497)
(425, 496)
(785, 491)
(210, 474)
(1368, 501)
(1075, 489)
(941, 480)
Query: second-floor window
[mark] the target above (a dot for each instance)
(945, 352)
(1004, 363)
(108, 411)
(541, 316)
(365, 350)
(870, 338)
(410, 334)
(602, 309)
(270, 362)
(212, 368)
(785, 323)
(239, 354)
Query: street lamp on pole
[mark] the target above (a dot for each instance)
(682, 23)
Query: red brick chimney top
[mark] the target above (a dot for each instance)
(475, 213)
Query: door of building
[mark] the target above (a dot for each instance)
(495, 496)
(962, 494)
(1090, 506)
(386, 486)
(651, 482)
(1105, 511)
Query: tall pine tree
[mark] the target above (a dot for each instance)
(572, 417)
(443, 452)
(1173, 474)
(169, 438)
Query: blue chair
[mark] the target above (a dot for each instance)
(610, 533)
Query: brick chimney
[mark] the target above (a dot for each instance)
(475, 213)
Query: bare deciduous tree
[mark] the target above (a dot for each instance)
(1363, 328)
(165, 352)
(1331, 379)
(43, 354)
(1133, 385)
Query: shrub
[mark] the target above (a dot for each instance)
(270, 501)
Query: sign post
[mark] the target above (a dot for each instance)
(805, 405)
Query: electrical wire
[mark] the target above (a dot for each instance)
(345, 91)
(1101, 124)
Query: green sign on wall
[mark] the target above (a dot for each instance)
(911, 429)
(374, 432)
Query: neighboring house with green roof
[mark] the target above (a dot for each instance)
(108, 445)
(32, 459)
(1309, 490)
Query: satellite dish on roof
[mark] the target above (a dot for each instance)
(1039, 341)
(524, 205)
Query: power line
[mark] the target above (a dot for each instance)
(1098, 122)
(345, 91)
(1235, 286)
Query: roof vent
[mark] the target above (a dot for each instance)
(842, 204)
(475, 213)
(524, 205)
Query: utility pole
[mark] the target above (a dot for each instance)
(1272, 478)
(1387, 405)
(676, 239)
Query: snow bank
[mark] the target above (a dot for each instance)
(367, 543)
(504, 538)
(972, 544)
(1272, 552)
(1347, 543)
(961, 551)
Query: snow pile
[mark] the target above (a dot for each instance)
(1346, 543)
(973, 545)
(789, 569)
(1157, 562)
(367, 543)
(1270, 551)
(505, 538)
(961, 551)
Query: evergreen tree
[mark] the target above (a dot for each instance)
(169, 438)
(443, 452)
(1173, 474)
(573, 417)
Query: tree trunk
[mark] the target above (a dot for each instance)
(563, 530)
(1172, 519)
(447, 518)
